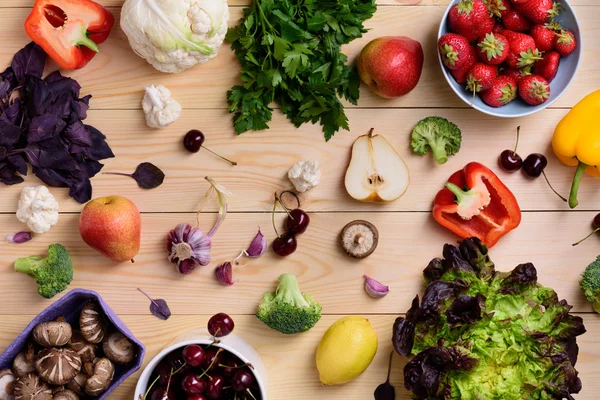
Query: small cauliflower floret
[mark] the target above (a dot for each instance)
(38, 209)
(305, 175)
(161, 110)
(470, 202)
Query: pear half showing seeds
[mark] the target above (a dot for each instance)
(376, 172)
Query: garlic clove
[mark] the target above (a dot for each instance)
(19, 237)
(374, 288)
(224, 274)
(258, 246)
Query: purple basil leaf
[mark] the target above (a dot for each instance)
(37, 96)
(3, 152)
(9, 134)
(32, 153)
(30, 60)
(43, 127)
(55, 155)
(12, 113)
(61, 83)
(78, 134)
(91, 167)
(54, 76)
(81, 191)
(9, 76)
(100, 149)
(60, 106)
(158, 307)
(8, 176)
(50, 177)
(5, 90)
(148, 176)
(81, 106)
(18, 162)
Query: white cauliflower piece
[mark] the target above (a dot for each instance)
(173, 35)
(305, 175)
(161, 110)
(38, 209)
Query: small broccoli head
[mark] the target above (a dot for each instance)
(288, 310)
(438, 135)
(590, 284)
(53, 274)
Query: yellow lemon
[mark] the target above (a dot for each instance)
(346, 350)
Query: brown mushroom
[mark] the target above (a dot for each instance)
(77, 384)
(31, 387)
(91, 323)
(53, 333)
(24, 362)
(359, 238)
(7, 384)
(57, 366)
(118, 348)
(104, 370)
(65, 394)
(85, 350)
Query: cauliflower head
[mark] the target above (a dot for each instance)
(161, 110)
(177, 34)
(38, 209)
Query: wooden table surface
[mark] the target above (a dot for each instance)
(409, 235)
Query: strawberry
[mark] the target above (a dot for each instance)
(498, 8)
(460, 74)
(481, 77)
(537, 11)
(534, 90)
(518, 1)
(543, 37)
(522, 50)
(493, 49)
(454, 50)
(565, 43)
(502, 92)
(471, 19)
(547, 67)
(516, 22)
(517, 74)
(498, 28)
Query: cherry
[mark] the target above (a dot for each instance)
(196, 397)
(176, 361)
(297, 221)
(215, 387)
(230, 365)
(164, 372)
(242, 380)
(191, 384)
(509, 160)
(162, 394)
(285, 245)
(194, 355)
(214, 356)
(220, 325)
(595, 229)
(534, 165)
(193, 141)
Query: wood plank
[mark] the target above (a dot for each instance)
(408, 241)
(265, 157)
(117, 85)
(290, 359)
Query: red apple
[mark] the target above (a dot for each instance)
(112, 226)
(391, 65)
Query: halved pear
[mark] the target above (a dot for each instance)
(376, 172)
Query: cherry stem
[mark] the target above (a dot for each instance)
(293, 194)
(273, 216)
(250, 393)
(220, 156)
(150, 388)
(594, 231)
(517, 141)
(558, 194)
(211, 364)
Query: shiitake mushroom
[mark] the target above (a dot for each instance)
(55, 333)
(91, 323)
(57, 366)
(31, 387)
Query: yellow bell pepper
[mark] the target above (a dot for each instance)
(576, 141)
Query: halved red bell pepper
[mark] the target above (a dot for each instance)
(69, 31)
(474, 202)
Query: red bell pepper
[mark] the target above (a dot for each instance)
(69, 31)
(474, 202)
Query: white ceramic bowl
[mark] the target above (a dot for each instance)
(232, 343)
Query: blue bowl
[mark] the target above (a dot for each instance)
(70, 306)
(518, 108)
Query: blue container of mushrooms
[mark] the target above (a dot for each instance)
(75, 349)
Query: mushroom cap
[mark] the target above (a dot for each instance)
(22, 366)
(7, 384)
(104, 371)
(359, 238)
(77, 384)
(91, 323)
(65, 394)
(52, 333)
(58, 366)
(118, 348)
(85, 350)
(31, 387)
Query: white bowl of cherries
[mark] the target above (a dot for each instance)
(205, 365)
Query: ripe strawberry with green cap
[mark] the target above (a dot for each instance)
(454, 50)
(502, 92)
(481, 77)
(517, 74)
(493, 48)
(471, 19)
(547, 67)
(538, 11)
(514, 21)
(523, 52)
(460, 74)
(543, 36)
(565, 42)
(498, 8)
(534, 90)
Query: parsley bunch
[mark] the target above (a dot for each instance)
(290, 52)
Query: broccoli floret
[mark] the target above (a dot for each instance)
(288, 310)
(53, 273)
(590, 284)
(437, 135)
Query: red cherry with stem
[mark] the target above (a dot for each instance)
(509, 160)
(193, 141)
(220, 325)
(285, 245)
(197, 397)
(242, 380)
(595, 229)
(194, 355)
(297, 221)
(214, 356)
(534, 166)
(164, 373)
(191, 384)
(216, 384)
(162, 394)
(230, 365)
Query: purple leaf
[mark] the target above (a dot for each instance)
(9, 134)
(37, 96)
(158, 307)
(30, 60)
(12, 113)
(43, 127)
(18, 162)
(147, 175)
(78, 134)
(100, 149)
(8, 175)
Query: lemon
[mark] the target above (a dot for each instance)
(346, 350)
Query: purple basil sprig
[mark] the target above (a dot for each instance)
(158, 307)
